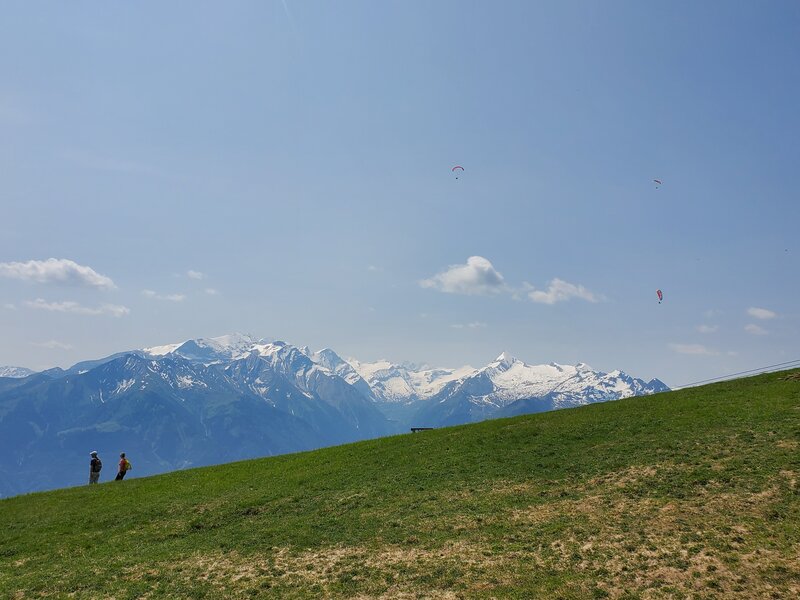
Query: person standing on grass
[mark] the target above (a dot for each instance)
(94, 467)
(124, 467)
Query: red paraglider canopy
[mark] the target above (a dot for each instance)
(457, 167)
(660, 296)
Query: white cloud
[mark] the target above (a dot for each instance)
(170, 297)
(211, 292)
(473, 325)
(707, 328)
(53, 345)
(476, 277)
(195, 274)
(754, 329)
(761, 313)
(374, 269)
(56, 270)
(9, 306)
(695, 349)
(559, 290)
(73, 307)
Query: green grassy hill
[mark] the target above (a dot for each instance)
(692, 492)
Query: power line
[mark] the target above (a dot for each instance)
(776, 367)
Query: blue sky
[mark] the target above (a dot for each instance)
(296, 157)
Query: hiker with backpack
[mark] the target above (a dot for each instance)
(95, 465)
(124, 466)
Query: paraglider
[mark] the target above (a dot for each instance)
(657, 182)
(660, 295)
(456, 170)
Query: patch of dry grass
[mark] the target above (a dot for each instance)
(651, 548)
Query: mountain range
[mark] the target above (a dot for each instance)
(215, 400)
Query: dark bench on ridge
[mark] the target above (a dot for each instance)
(416, 429)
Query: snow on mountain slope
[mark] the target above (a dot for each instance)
(402, 383)
(337, 365)
(161, 350)
(508, 386)
(502, 382)
(513, 380)
(15, 372)
(208, 350)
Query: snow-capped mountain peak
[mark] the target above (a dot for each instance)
(15, 372)
(508, 386)
(234, 341)
(391, 382)
(208, 350)
(503, 362)
(162, 350)
(502, 382)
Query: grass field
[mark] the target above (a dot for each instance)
(689, 493)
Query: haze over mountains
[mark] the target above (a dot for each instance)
(215, 400)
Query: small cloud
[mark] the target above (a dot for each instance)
(476, 277)
(761, 313)
(56, 270)
(53, 345)
(707, 328)
(169, 297)
(9, 306)
(711, 313)
(473, 325)
(754, 329)
(113, 310)
(374, 269)
(195, 274)
(732, 353)
(211, 292)
(694, 349)
(559, 290)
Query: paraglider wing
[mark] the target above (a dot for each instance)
(658, 181)
(457, 167)
(660, 296)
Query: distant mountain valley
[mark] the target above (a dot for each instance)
(215, 400)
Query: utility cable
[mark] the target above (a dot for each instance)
(777, 367)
